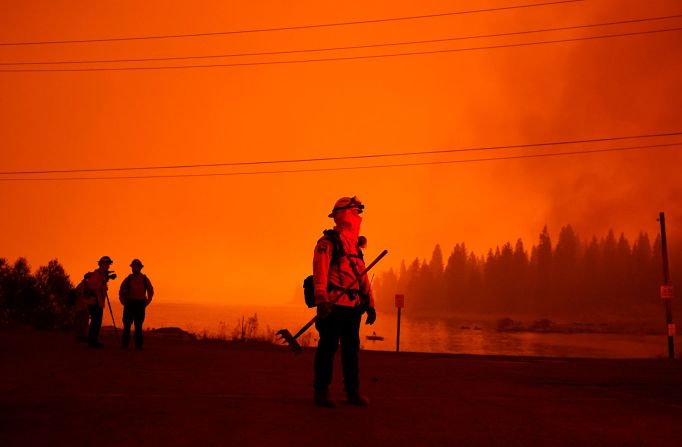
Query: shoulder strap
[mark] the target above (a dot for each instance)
(337, 249)
(337, 246)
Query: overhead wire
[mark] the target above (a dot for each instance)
(346, 168)
(340, 58)
(350, 47)
(344, 48)
(290, 28)
(346, 157)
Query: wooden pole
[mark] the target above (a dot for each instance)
(667, 297)
(397, 341)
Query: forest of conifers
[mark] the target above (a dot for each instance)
(607, 275)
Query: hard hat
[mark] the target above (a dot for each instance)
(345, 203)
(105, 260)
(136, 261)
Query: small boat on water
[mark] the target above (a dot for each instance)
(374, 336)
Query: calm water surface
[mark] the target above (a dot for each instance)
(417, 335)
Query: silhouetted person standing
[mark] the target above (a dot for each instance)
(135, 294)
(80, 315)
(96, 295)
(337, 261)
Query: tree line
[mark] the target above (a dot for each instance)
(606, 275)
(40, 299)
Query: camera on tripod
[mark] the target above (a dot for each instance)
(111, 275)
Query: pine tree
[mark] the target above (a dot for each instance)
(541, 271)
(564, 271)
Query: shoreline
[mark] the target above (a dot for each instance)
(427, 335)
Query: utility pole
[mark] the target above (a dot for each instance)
(667, 289)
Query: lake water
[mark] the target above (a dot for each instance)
(459, 336)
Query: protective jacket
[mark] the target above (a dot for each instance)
(334, 270)
(96, 288)
(136, 287)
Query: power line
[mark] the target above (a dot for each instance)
(347, 168)
(347, 157)
(342, 58)
(290, 28)
(350, 47)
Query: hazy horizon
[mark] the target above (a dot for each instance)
(250, 238)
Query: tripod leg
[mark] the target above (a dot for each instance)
(113, 321)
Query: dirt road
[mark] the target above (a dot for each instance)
(181, 392)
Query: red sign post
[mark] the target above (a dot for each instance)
(399, 303)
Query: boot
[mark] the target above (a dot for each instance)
(357, 399)
(322, 399)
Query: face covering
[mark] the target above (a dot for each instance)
(349, 223)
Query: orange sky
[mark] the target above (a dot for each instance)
(249, 239)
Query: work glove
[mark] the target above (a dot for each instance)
(324, 309)
(371, 316)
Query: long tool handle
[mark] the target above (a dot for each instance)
(345, 291)
(113, 321)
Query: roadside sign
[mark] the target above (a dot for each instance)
(666, 292)
(400, 301)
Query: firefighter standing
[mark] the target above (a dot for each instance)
(135, 294)
(96, 294)
(337, 262)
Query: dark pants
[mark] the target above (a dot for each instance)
(342, 325)
(133, 312)
(96, 313)
(80, 324)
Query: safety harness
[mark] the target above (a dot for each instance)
(337, 253)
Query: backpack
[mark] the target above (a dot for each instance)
(337, 253)
(73, 295)
(309, 291)
(89, 295)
